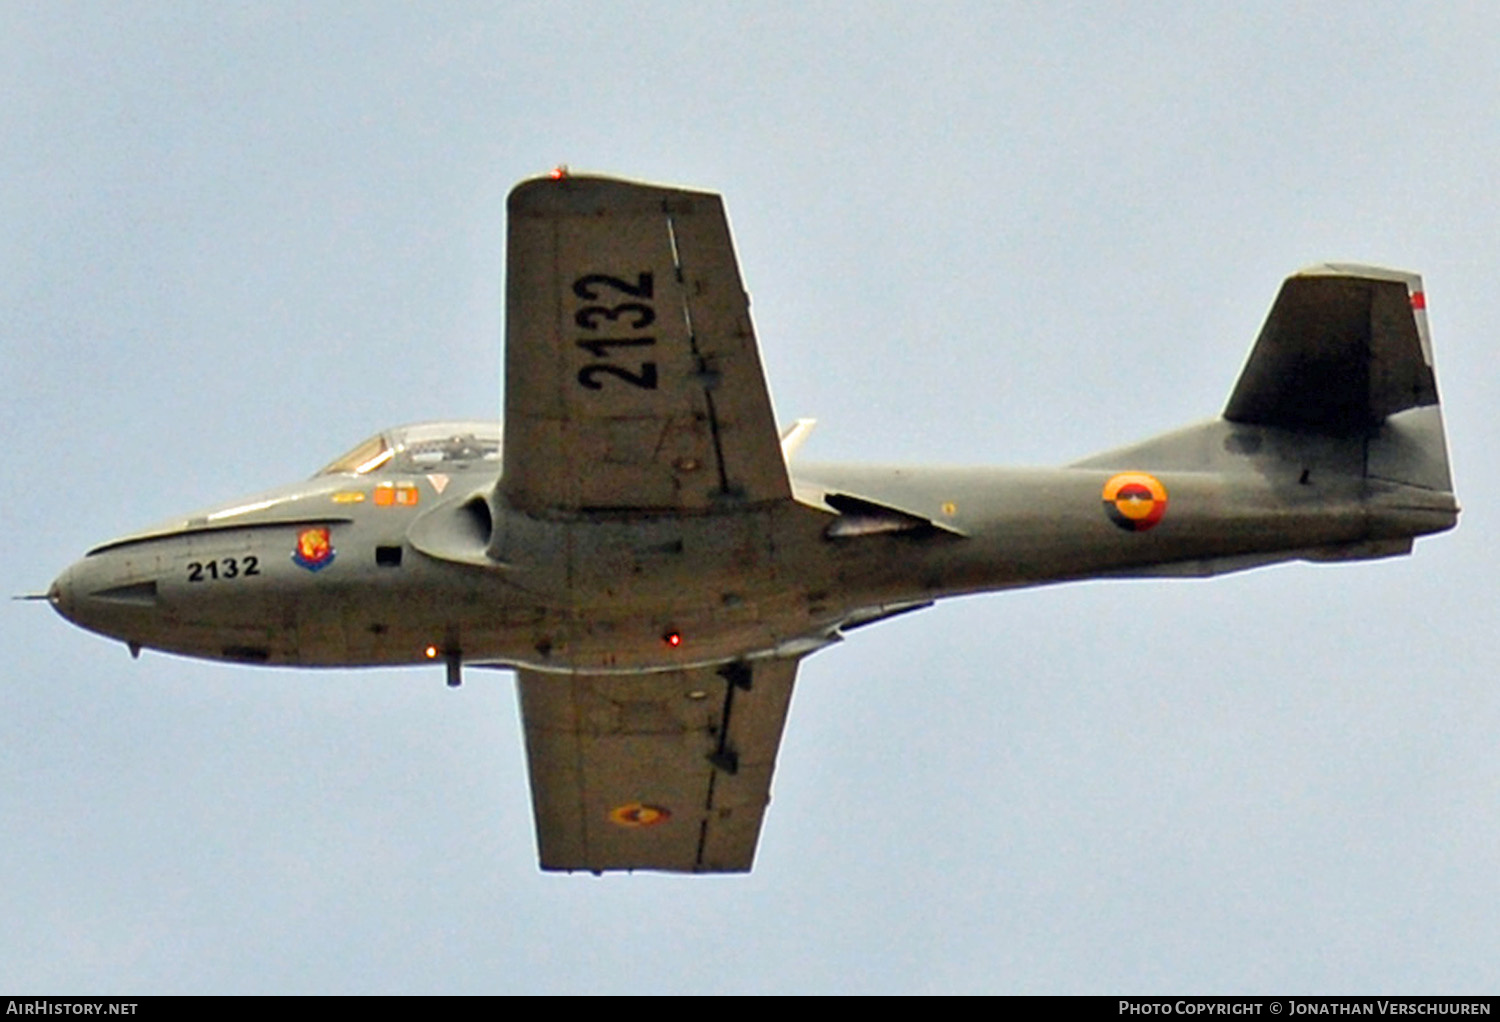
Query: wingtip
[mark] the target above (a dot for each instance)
(563, 190)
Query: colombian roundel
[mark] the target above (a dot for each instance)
(1135, 501)
(636, 814)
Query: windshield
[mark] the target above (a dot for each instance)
(425, 447)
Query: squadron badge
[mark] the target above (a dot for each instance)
(314, 549)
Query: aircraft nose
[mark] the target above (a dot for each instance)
(106, 594)
(60, 594)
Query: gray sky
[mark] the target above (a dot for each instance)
(237, 238)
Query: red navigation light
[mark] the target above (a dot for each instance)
(559, 172)
(673, 639)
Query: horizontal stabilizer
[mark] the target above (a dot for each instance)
(793, 439)
(1344, 348)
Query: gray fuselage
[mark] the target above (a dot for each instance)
(419, 566)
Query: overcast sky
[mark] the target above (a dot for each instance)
(235, 239)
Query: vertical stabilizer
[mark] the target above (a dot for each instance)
(1346, 353)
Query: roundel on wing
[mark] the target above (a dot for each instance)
(637, 814)
(1135, 501)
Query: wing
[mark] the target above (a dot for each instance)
(666, 772)
(632, 379)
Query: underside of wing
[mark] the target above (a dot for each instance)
(632, 377)
(668, 772)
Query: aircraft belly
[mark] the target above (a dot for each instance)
(691, 627)
(618, 592)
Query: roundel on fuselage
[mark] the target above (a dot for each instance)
(1135, 501)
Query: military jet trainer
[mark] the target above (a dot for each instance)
(650, 563)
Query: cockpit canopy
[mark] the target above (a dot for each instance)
(423, 447)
